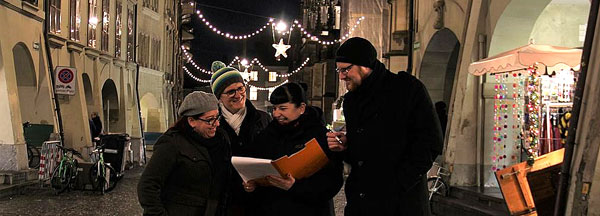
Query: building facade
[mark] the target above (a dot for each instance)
(106, 42)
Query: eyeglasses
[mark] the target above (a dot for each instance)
(211, 121)
(231, 93)
(344, 70)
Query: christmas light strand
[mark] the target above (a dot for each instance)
(344, 37)
(273, 24)
(194, 77)
(189, 58)
(229, 35)
(256, 61)
(533, 91)
(268, 88)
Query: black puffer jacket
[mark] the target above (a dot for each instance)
(254, 122)
(309, 196)
(187, 175)
(392, 131)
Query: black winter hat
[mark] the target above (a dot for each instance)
(358, 51)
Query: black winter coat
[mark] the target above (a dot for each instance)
(254, 122)
(392, 131)
(309, 196)
(186, 175)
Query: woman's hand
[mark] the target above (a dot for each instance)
(283, 183)
(249, 186)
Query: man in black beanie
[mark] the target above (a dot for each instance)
(392, 135)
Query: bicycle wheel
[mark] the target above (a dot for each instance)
(74, 166)
(112, 178)
(97, 178)
(61, 178)
(439, 188)
(33, 157)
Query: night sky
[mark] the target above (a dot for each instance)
(207, 46)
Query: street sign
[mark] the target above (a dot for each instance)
(65, 80)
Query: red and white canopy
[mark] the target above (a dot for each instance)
(526, 56)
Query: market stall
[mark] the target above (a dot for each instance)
(532, 98)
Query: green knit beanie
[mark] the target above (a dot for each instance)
(222, 77)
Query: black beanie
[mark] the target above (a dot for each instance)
(357, 51)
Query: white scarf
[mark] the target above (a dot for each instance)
(234, 119)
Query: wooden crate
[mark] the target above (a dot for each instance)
(531, 190)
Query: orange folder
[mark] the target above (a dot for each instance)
(303, 163)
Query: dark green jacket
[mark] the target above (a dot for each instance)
(187, 175)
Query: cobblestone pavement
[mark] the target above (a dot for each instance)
(121, 201)
(42, 201)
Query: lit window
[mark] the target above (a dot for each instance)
(254, 76)
(105, 23)
(130, 36)
(74, 20)
(272, 76)
(119, 29)
(253, 93)
(92, 23)
(54, 16)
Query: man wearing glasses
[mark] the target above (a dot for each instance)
(241, 121)
(392, 135)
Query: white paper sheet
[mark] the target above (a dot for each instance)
(253, 168)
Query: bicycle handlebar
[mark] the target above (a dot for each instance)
(73, 151)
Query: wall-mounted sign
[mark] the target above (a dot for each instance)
(65, 80)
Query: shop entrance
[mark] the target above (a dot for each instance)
(547, 22)
(110, 105)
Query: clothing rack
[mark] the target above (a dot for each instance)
(547, 106)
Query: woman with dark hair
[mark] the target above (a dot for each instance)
(293, 125)
(190, 166)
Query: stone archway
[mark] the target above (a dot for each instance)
(439, 65)
(26, 81)
(151, 113)
(110, 105)
(87, 88)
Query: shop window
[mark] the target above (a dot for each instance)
(130, 35)
(74, 19)
(118, 29)
(55, 16)
(105, 24)
(92, 22)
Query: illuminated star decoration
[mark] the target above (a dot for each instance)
(281, 48)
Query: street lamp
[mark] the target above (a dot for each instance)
(281, 26)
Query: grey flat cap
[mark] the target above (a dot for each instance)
(198, 102)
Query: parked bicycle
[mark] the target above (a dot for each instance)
(436, 184)
(64, 175)
(102, 175)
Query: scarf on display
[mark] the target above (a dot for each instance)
(234, 119)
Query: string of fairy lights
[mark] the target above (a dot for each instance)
(280, 27)
(236, 60)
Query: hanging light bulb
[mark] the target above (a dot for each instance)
(244, 62)
(281, 26)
